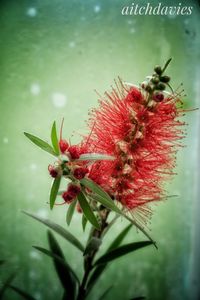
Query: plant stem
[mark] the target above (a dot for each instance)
(88, 259)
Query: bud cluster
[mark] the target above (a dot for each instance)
(70, 168)
(156, 84)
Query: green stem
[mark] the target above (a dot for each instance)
(166, 65)
(88, 260)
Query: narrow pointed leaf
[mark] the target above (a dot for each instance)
(84, 222)
(54, 191)
(101, 196)
(118, 240)
(95, 188)
(40, 143)
(6, 284)
(58, 258)
(105, 293)
(21, 292)
(95, 156)
(123, 250)
(111, 205)
(64, 273)
(87, 210)
(70, 212)
(54, 138)
(58, 229)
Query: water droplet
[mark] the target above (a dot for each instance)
(97, 8)
(72, 44)
(32, 12)
(35, 255)
(35, 89)
(42, 213)
(59, 100)
(132, 30)
(33, 166)
(5, 140)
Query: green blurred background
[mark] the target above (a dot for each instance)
(53, 55)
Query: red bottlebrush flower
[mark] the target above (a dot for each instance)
(72, 191)
(141, 133)
(74, 152)
(52, 171)
(79, 173)
(63, 144)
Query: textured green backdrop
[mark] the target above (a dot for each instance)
(53, 55)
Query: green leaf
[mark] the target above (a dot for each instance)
(58, 229)
(64, 272)
(123, 250)
(101, 196)
(54, 191)
(95, 188)
(70, 212)
(118, 240)
(58, 258)
(87, 210)
(21, 292)
(6, 284)
(54, 138)
(93, 245)
(95, 156)
(105, 293)
(84, 222)
(40, 143)
(111, 205)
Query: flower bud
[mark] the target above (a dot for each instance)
(53, 171)
(148, 88)
(158, 70)
(165, 79)
(158, 97)
(74, 152)
(63, 144)
(72, 191)
(160, 86)
(79, 173)
(155, 79)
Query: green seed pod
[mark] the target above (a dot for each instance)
(158, 70)
(165, 79)
(160, 86)
(148, 88)
(155, 79)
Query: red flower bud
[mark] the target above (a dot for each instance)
(158, 97)
(80, 173)
(72, 191)
(52, 171)
(68, 197)
(63, 144)
(74, 152)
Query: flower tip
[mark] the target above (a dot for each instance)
(63, 145)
